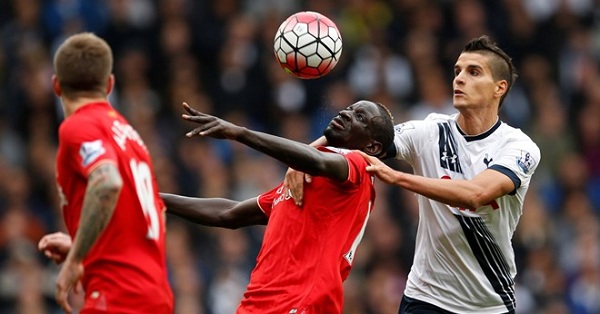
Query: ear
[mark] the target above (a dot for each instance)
(501, 87)
(110, 84)
(56, 86)
(374, 148)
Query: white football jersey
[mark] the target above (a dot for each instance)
(464, 261)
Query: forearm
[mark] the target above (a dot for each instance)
(215, 212)
(296, 155)
(299, 156)
(100, 199)
(203, 211)
(456, 193)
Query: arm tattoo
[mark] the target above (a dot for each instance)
(101, 195)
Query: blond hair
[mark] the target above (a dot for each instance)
(83, 63)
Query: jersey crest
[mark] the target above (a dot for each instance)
(487, 160)
(448, 156)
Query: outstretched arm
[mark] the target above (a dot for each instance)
(472, 194)
(215, 212)
(296, 155)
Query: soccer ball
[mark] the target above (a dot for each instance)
(308, 45)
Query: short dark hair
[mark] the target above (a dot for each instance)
(83, 63)
(383, 128)
(500, 63)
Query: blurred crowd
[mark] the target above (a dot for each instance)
(217, 55)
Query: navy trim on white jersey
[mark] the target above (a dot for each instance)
(509, 173)
(448, 154)
(483, 135)
(490, 258)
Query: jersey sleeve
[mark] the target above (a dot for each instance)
(356, 167)
(88, 143)
(266, 200)
(518, 161)
(356, 163)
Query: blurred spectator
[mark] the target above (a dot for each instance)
(434, 95)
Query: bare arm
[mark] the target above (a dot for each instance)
(321, 141)
(215, 212)
(101, 195)
(103, 189)
(296, 155)
(481, 190)
(294, 179)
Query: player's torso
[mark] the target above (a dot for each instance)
(128, 259)
(452, 156)
(307, 252)
(461, 253)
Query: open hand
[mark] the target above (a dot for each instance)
(210, 125)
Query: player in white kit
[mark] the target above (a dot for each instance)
(471, 175)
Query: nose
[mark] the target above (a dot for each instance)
(345, 114)
(458, 79)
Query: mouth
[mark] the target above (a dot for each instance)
(337, 123)
(458, 92)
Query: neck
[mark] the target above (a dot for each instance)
(71, 105)
(474, 124)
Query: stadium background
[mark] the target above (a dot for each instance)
(217, 55)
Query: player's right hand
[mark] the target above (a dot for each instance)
(210, 125)
(55, 246)
(294, 184)
(68, 278)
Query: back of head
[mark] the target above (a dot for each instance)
(83, 64)
(500, 63)
(383, 128)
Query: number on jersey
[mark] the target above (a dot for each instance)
(145, 192)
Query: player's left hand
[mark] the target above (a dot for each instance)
(210, 125)
(68, 278)
(294, 184)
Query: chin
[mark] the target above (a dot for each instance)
(332, 140)
(329, 134)
(460, 105)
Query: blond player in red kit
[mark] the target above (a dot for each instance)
(108, 192)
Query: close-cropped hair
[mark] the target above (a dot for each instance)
(500, 63)
(83, 63)
(383, 127)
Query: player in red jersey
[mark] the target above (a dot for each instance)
(307, 251)
(109, 196)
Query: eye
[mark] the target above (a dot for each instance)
(360, 118)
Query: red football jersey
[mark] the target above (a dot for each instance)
(125, 271)
(307, 252)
